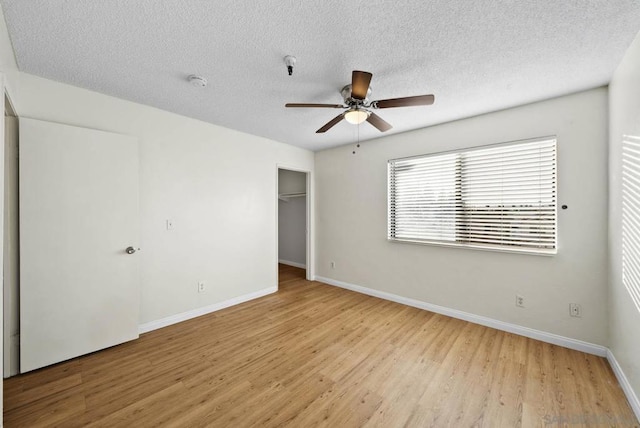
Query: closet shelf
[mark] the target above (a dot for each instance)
(286, 196)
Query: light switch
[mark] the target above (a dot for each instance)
(169, 224)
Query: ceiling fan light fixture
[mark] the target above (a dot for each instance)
(356, 116)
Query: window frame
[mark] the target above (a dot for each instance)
(630, 217)
(478, 246)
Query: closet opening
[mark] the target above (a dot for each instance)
(293, 230)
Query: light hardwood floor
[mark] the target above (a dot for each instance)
(316, 355)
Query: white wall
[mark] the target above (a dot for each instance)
(217, 185)
(292, 218)
(624, 318)
(351, 221)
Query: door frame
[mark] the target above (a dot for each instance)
(310, 275)
(3, 90)
(10, 292)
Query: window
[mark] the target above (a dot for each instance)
(631, 217)
(496, 197)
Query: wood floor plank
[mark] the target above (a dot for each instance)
(316, 355)
(154, 409)
(50, 410)
(50, 388)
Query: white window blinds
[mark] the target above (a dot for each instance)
(500, 197)
(631, 217)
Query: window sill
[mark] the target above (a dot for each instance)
(530, 252)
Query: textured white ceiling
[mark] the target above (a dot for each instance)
(475, 56)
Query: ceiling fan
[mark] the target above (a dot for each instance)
(357, 107)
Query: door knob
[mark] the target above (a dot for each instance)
(131, 250)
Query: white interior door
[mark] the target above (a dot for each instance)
(79, 288)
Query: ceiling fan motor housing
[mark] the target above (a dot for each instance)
(349, 100)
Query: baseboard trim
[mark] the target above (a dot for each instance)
(294, 264)
(567, 342)
(633, 399)
(174, 319)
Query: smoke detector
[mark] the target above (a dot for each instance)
(197, 81)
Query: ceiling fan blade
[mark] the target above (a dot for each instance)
(420, 100)
(360, 84)
(314, 105)
(379, 122)
(330, 124)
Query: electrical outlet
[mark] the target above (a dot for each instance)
(575, 310)
(201, 287)
(519, 301)
(332, 264)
